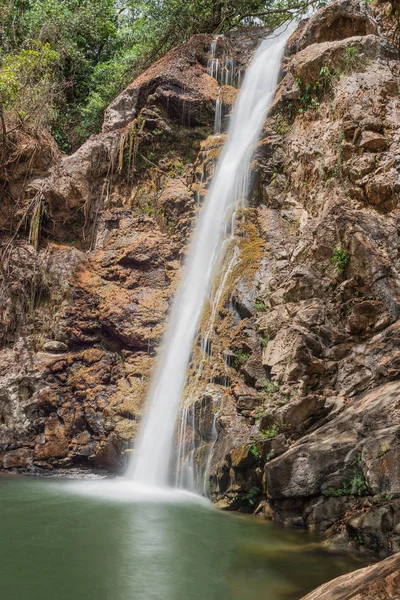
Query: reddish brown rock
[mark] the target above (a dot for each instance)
(336, 21)
(179, 83)
(377, 582)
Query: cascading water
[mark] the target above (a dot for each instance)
(229, 188)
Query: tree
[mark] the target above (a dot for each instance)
(101, 45)
(26, 79)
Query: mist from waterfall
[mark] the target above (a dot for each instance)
(228, 190)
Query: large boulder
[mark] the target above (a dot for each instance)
(381, 581)
(178, 81)
(362, 439)
(336, 21)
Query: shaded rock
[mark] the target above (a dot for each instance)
(326, 459)
(339, 20)
(372, 141)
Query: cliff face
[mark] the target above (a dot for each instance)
(91, 250)
(315, 439)
(303, 377)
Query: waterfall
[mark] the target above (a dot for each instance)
(229, 188)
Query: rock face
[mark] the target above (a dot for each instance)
(84, 304)
(177, 81)
(313, 438)
(380, 581)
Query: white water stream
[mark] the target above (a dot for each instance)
(229, 188)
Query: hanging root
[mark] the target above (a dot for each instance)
(38, 211)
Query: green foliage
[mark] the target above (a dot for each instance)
(282, 125)
(259, 413)
(252, 494)
(241, 357)
(351, 58)
(271, 432)
(254, 451)
(340, 258)
(264, 341)
(261, 306)
(30, 68)
(89, 50)
(312, 92)
(355, 487)
(270, 387)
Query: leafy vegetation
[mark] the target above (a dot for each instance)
(268, 386)
(271, 432)
(312, 92)
(340, 258)
(241, 357)
(72, 57)
(254, 451)
(261, 306)
(355, 487)
(252, 494)
(352, 58)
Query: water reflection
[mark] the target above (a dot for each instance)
(56, 545)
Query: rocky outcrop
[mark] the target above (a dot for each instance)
(87, 277)
(313, 330)
(379, 581)
(336, 21)
(178, 83)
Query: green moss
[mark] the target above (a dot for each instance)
(254, 451)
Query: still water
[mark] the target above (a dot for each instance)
(59, 544)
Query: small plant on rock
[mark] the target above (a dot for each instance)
(312, 92)
(270, 387)
(254, 451)
(271, 432)
(351, 58)
(261, 306)
(340, 257)
(241, 357)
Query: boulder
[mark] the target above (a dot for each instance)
(380, 581)
(336, 21)
(330, 458)
(178, 82)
